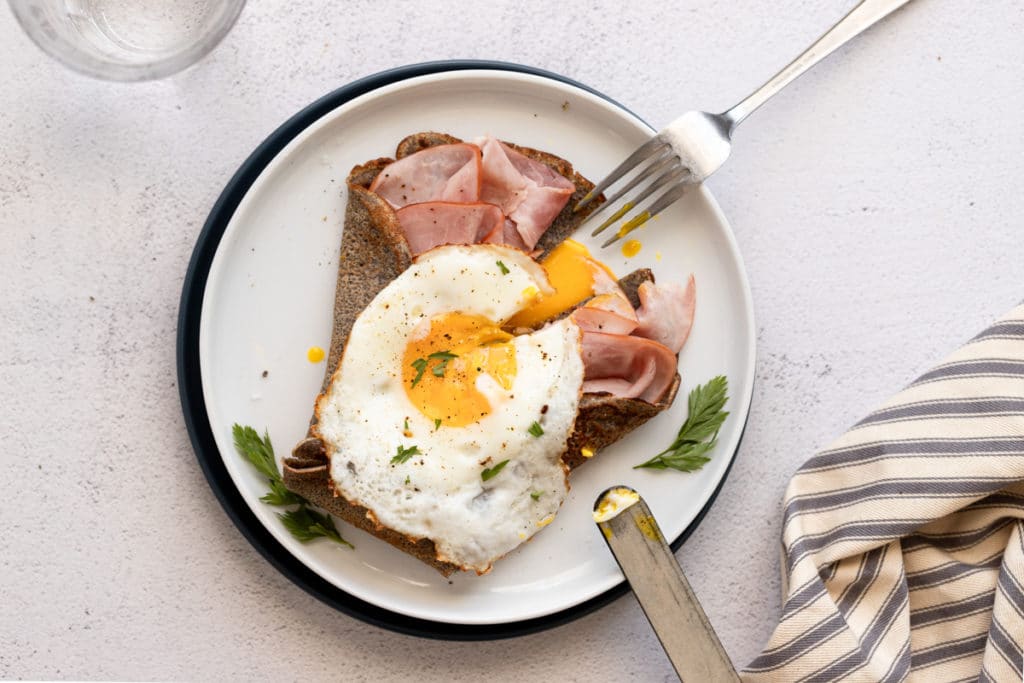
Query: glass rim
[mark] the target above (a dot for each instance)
(89, 65)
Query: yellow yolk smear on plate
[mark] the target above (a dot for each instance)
(440, 367)
(572, 272)
(631, 248)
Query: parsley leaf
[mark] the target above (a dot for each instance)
(304, 523)
(260, 452)
(536, 495)
(421, 365)
(404, 454)
(443, 357)
(536, 430)
(437, 424)
(492, 472)
(504, 268)
(279, 495)
(699, 434)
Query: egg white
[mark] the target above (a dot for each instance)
(439, 493)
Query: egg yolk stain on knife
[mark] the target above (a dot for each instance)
(574, 274)
(648, 527)
(615, 501)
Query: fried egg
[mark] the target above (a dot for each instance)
(443, 424)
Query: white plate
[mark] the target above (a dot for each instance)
(269, 297)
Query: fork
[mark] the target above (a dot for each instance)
(697, 143)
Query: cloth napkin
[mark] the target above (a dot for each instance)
(903, 541)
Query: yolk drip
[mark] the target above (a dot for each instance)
(440, 368)
(572, 272)
(631, 248)
(315, 354)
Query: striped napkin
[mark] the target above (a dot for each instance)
(903, 541)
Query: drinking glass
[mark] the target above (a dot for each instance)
(127, 40)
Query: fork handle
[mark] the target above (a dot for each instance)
(858, 20)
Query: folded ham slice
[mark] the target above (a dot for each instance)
(666, 312)
(632, 353)
(431, 224)
(448, 173)
(529, 192)
(626, 366)
(608, 313)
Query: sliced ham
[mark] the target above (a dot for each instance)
(608, 313)
(528, 192)
(431, 224)
(448, 173)
(626, 366)
(666, 312)
(508, 235)
(614, 302)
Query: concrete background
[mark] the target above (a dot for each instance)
(877, 204)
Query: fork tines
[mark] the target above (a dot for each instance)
(655, 158)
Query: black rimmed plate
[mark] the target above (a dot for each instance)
(259, 293)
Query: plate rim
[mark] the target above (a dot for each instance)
(194, 407)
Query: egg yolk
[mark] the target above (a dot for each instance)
(440, 367)
(572, 272)
(631, 248)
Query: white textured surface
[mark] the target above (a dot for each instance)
(877, 203)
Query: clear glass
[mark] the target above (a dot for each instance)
(127, 40)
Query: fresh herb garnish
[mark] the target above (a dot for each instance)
(404, 454)
(405, 426)
(699, 434)
(421, 365)
(407, 479)
(279, 495)
(504, 268)
(536, 495)
(442, 357)
(491, 472)
(536, 430)
(304, 523)
(260, 452)
(437, 423)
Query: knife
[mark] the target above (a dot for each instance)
(660, 587)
